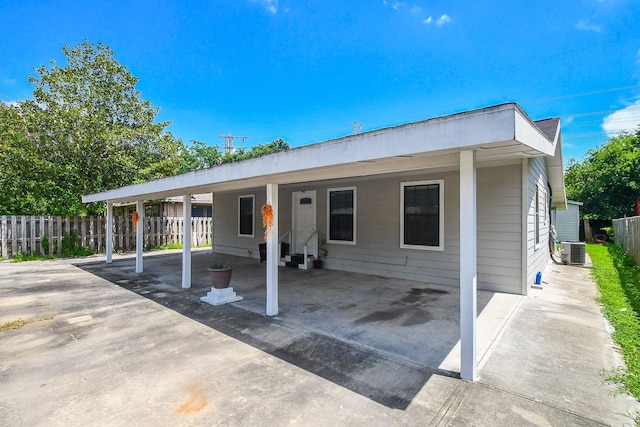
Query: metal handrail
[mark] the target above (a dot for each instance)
(306, 255)
(313, 233)
(282, 237)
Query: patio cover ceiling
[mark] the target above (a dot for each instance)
(500, 134)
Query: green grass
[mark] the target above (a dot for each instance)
(618, 279)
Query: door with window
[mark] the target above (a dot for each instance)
(304, 221)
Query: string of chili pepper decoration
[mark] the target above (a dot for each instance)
(134, 218)
(267, 219)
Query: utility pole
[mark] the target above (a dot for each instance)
(228, 142)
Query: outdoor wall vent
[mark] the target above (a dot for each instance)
(573, 253)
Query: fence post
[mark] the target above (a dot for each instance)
(5, 236)
(42, 234)
(14, 235)
(23, 230)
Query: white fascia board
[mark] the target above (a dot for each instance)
(555, 174)
(526, 132)
(472, 129)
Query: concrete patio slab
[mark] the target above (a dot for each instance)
(144, 352)
(415, 321)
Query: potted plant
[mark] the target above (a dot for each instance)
(322, 251)
(220, 274)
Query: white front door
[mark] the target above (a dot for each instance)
(304, 222)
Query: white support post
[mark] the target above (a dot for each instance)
(139, 235)
(109, 233)
(213, 222)
(273, 253)
(468, 265)
(186, 241)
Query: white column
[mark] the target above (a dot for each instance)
(213, 222)
(186, 241)
(109, 233)
(139, 235)
(468, 265)
(273, 253)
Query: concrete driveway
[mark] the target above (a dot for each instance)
(145, 352)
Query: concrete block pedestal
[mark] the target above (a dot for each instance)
(221, 296)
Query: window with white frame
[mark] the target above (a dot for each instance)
(422, 215)
(245, 215)
(341, 215)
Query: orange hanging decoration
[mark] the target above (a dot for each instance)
(267, 219)
(135, 218)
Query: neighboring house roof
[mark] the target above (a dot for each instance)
(195, 198)
(205, 198)
(499, 134)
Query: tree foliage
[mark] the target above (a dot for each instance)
(199, 155)
(21, 168)
(92, 131)
(607, 181)
(88, 130)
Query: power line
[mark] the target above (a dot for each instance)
(576, 95)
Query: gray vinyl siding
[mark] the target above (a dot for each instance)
(225, 224)
(499, 204)
(568, 223)
(378, 228)
(537, 253)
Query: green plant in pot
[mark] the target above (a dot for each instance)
(322, 251)
(220, 274)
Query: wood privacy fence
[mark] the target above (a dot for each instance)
(627, 234)
(49, 234)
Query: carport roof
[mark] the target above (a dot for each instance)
(500, 134)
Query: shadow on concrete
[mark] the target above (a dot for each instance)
(330, 324)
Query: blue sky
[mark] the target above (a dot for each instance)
(306, 70)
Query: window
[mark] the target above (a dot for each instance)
(421, 215)
(245, 211)
(342, 215)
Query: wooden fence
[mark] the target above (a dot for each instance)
(627, 234)
(48, 234)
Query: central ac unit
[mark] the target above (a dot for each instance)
(573, 252)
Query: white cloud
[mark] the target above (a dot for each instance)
(416, 9)
(627, 118)
(428, 20)
(444, 19)
(587, 26)
(397, 6)
(270, 5)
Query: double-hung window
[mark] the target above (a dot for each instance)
(342, 215)
(245, 215)
(422, 215)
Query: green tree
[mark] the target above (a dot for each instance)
(92, 131)
(607, 181)
(22, 170)
(199, 155)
